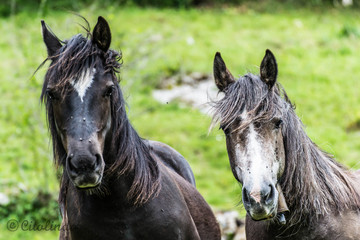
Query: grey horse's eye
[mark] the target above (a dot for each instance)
(278, 123)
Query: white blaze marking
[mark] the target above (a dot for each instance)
(257, 166)
(254, 155)
(84, 83)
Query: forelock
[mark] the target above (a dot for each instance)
(249, 94)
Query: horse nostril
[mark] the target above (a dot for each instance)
(270, 195)
(71, 166)
(98, 161)
(245, 195)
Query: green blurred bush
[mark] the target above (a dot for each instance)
(34, 204)
(8, 7)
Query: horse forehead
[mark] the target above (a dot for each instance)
(253, 146)
(84, 82)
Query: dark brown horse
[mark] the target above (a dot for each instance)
(115, 185)
(275, 161)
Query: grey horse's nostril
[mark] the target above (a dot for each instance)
(245, 195)
(270, 195)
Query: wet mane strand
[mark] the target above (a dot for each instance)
(127, 152)
(313, 182)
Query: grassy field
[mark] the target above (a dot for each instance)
(318, 57)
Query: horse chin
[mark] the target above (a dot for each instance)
(88, 187)
(263, 214)
(87, 182)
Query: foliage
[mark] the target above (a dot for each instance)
(29, 209)
(36, 205)
(9, 7)
(317, 53)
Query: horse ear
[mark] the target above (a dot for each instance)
(268, 69)
(51, 41)
(101, 34)
(222, 75)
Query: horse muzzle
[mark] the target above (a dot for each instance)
(261, 203)
(85, 170)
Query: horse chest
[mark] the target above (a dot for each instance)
(108, 220)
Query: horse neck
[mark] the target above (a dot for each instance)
(132, 162)
(123, 143)
(313, 182)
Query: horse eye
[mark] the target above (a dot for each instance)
(109, 91)
(51, 94)
(278, 123)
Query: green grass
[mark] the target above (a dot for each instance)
(318, 60)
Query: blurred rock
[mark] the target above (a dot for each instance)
(347, 3)
(198, 76)
(194, 89)
(188, 80)
(232, 227)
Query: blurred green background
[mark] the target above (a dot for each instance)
(315, 42)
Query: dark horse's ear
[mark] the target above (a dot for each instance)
(101, 34)
(222, 75)
(51, 41)
(268, 69)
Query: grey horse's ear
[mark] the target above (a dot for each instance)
(268, 69)
(52, 43)
(223, 77)
(101, 34)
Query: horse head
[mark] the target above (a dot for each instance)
(78, 91)
(250, 114)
